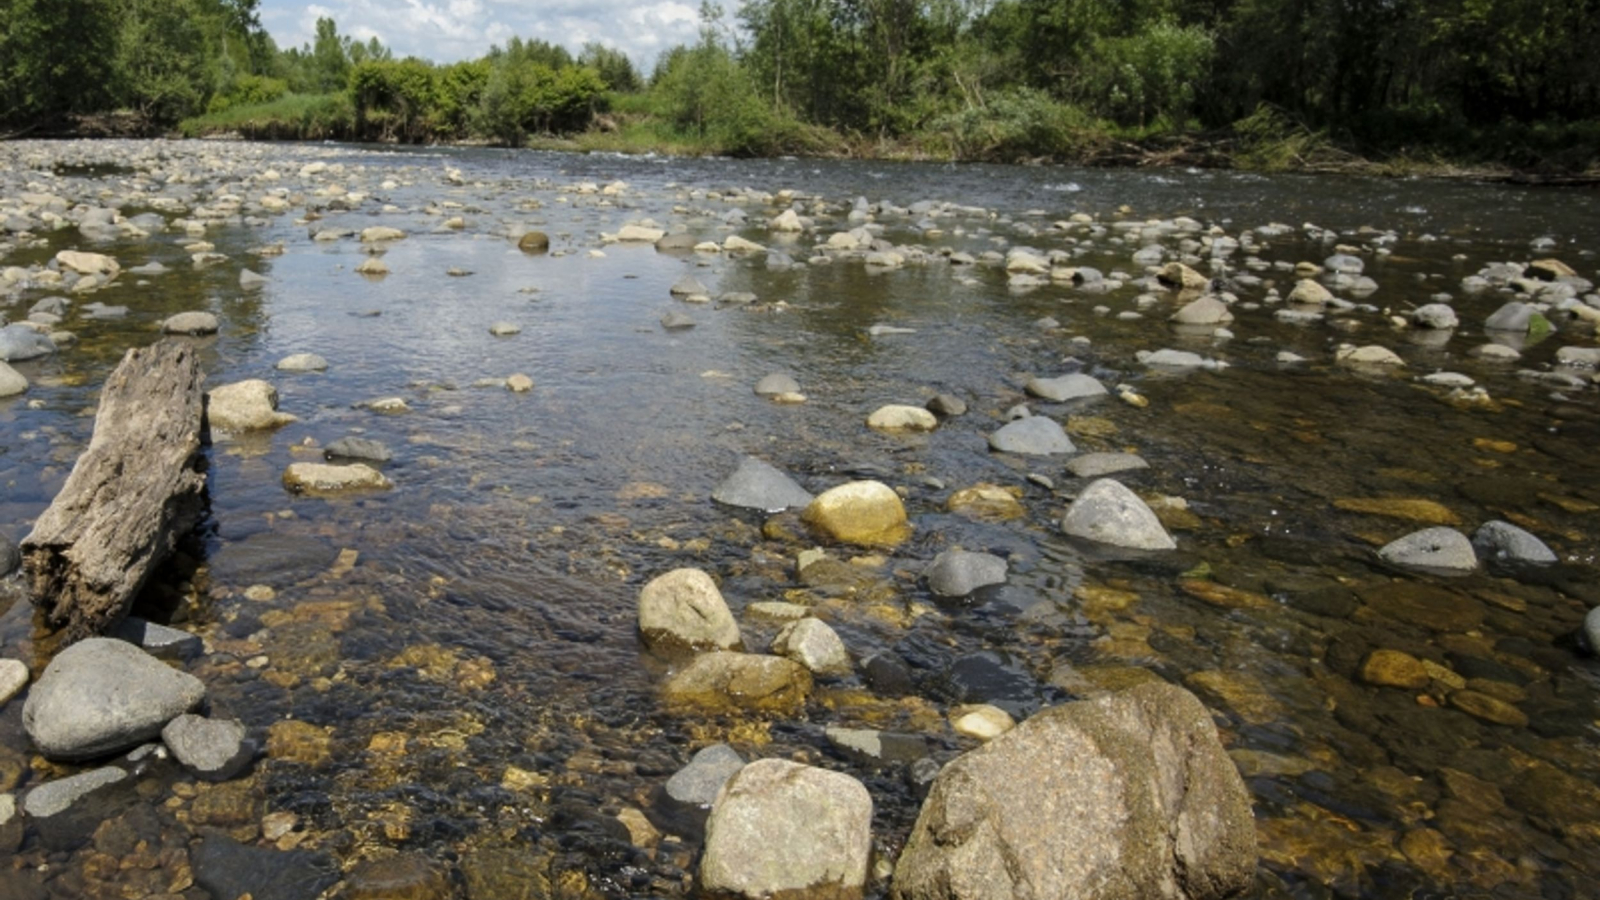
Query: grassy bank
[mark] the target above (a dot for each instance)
(1026, 132)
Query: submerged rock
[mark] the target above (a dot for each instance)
(1107, 512)
(859, 512)
(226, 868)
(683, 609)
(67, 811)
(357, 448)
(302, 362)
(20, 343)
(318, 478)
(1126, 796)
(1032, 436)
(534, 242)
(1438, 548)
(102, 695)
(1095, 465)
(12, 382)
(1066, 387)
(725, 680)
(779, 828)
(957, 573)
(776, 384)
(212, 749)
(244, 406)
(758, 485)
(695, 786)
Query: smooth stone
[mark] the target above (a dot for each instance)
(783, 829)
(1066, 387)
(814, 644)
(226, 868)
(1370, 355)
(981, 721)
(896, 417)
(1107, 512)
(379, 233)
(158, 640)
(695, 786)
(12, 382)
(249, 280)
(859, 512)
(1309, 293)
(727, 681)
(759, 485)
(1435, 315)
(302, 362)
(1504, 541)
(737, 244)
(244, 406)
(775, 384)
(373, 266)
(947, 405)
(13, 678)
(1096, 465)
(534, 242)
(1127, 795)
(871, 746)
(1578, 357)
(1175, 274)
(676, 321)
(19, 343)
(1393, 668)
(67, 811)
(681, 242)
(639, 234)
(357, 448)
(212, 749)
(683, 609)
(1438, 548)
(987, 502)
(505, 329)
(191, 323)
(1172, 359)
(519, 383)
(687, 286)
(102, 695)
(957, 573)
(1206, 310)
(1515, 316)
(1490, 709)
(319, 478)
(1032, 436)
(1590, 633)
(88, 263)
(403, 876)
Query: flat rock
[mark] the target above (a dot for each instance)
(320, 478)
(12, 382)
(728, 681)
(402, 876)
(696, 785)
(20, 343)
(1032, 436)
(212, 749)
(1066, 387)
(779, 828)
(639, 234)
(358, 448)
(1434, 549)
(1107, 512)
(191, 323)
(244, 406)
(775, 384)
(1096, 465)
(226, 868)
(1370, 355)
(380, 233)
(759, 485)
(957, 573)
(302, 362)
(1504, 541)
(67, 811)
(859, 512)
(1128, 795)
(158, 640)
(102, 695)
(13, 678)
(676, 321)
(683, 609)
(874, 747)
(687, 286)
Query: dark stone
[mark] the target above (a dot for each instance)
(271, 558)
(888, 675)
(227, 868)
(10, 556)
(990, 676)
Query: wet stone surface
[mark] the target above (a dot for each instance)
(447, 679)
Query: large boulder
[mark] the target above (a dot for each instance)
(684, 610)
(781, 829)
(102, 695)
(244, 406)
(859, 512)
(1130, 795)
(1107, 512)
(758, 485)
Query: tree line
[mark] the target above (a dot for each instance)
(963, 78)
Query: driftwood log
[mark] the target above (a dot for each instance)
(132, 494)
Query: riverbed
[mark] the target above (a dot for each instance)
(458, 656)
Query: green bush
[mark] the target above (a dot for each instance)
(706, 93)
(1149, 76)
(1016, 124)
(248, 90)
(522, 97)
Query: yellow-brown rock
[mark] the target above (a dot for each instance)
(1392, 668)
(859, 512)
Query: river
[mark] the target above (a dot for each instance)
(462, 650)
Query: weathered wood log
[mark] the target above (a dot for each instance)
(132, 494)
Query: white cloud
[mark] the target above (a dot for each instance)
(450, 30)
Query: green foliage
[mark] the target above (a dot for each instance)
(1016, 124)
(312, 117)
(1271, 141)
(704, 92)
(522, 96)
(1149, 76)
(162, 58)
(613, 66)
(55, 57)
(248, 90)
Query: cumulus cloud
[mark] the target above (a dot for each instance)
(450, 30)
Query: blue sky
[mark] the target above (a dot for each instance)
(450, 30)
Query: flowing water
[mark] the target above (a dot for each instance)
(451, 668)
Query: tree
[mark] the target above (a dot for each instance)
(162, 58)
(327, 59)
(55, 57)
(612, 65)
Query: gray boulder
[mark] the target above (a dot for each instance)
(212, 749)
(779, 828)
(1435, 549)
(947, 405)
(1107, 512)
(758, 485)
(1514, 316)
(1505, 541)
(684, 610)
(1130, 795)
(1344, 264)
(1096, 465)
(1435, 315)
(676, 321)
(874, 747)
(957, 573)
(19, 343)
(302, 362)
(1032, 436)
(695, 786)
(357, 448)
(102, 695)
(158, 640)
(1066, 387)
(1207, 310)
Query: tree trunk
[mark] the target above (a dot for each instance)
(131, 495)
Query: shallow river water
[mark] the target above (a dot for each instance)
(451, 668)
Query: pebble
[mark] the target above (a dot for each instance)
(302, 362)
(191, 323)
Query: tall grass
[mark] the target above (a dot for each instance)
(306, 117)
